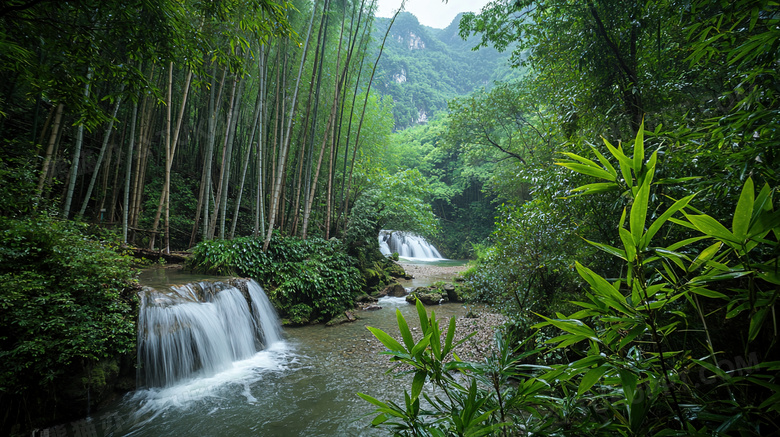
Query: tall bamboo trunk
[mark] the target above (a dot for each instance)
(50, 149)
(128, 172)
(225, 160)
(285, 146)
(103, 147)
(74, 166)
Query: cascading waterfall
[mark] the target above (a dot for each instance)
(200, 329)
(407, 245)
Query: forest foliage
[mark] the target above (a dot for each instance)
(633, 171)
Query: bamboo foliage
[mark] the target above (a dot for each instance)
(224, 110)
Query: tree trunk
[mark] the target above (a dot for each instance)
(101, 154)
(225, 160)
(259, 214)
(50, 149)
(257, 122)
(285, 146)
(128, 173)
(74, 166)
(365, 104)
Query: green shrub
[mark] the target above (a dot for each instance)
(315, 272)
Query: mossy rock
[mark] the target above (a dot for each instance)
(427, 298)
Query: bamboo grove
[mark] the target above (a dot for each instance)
(179, 122)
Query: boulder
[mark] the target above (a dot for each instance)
(372, 308)
(396, 290)
(453, 293)
(428, 298)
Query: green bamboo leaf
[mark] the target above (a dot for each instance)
(590, 170)
(605, 162)
(600, 187)
(628, 243)
(389, 342)
(656, 225)
(639, 148)
(421, 345)
(417, 383)
(639, 213)
(449, 337)
(756, 321)
(628, 382)
(683, 243)
(605, 291)
(575, 327)
(406, 334)
(704, 256)
(423, 316)
(744, 211)
(625, 162)
(591, 378)
(373, 400)
(380, 419)
(706, 292)
(579, 158)
(711, 227)
(614, 251)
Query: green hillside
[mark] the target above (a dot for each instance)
(422, 67)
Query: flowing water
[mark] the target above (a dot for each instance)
(407, 245)
(302, 385)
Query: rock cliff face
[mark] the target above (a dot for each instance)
(422, 67)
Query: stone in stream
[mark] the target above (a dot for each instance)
(393, 290)
(432, 298)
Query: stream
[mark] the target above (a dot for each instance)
(304, 385)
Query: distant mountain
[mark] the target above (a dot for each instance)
(422, 67)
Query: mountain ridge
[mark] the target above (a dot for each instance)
(422, 68)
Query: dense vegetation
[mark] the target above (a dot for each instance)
(171, 123)
(266, 126)
(641, 277)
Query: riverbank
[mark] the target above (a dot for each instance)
(477, 319)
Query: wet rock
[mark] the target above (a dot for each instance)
(372, 308)
(428, 298)
(347, 317)
(396, 290)
(364, 298)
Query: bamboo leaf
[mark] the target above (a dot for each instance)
(711, 227)
(605, 162)
(591, 378)
(704, 256)
(639, 148)
(756, 321)
(656, 225)
(389, 342)
(417, 383)
(590, 170)
(625, 162)
(614, 251)
(423, 316)
(744, 211)
(406, 334)
(628, 243)
(639, 212)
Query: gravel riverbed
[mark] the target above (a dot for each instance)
(483, 324)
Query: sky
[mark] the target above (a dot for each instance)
(432, 13)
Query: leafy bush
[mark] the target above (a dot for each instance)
(64, 307)
(308, 280)
(681, 344)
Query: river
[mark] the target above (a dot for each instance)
(302, 386)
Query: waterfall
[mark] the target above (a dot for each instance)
(407, 245)
(200, 329)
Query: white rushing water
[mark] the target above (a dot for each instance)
(199, 330)
(407, 245)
